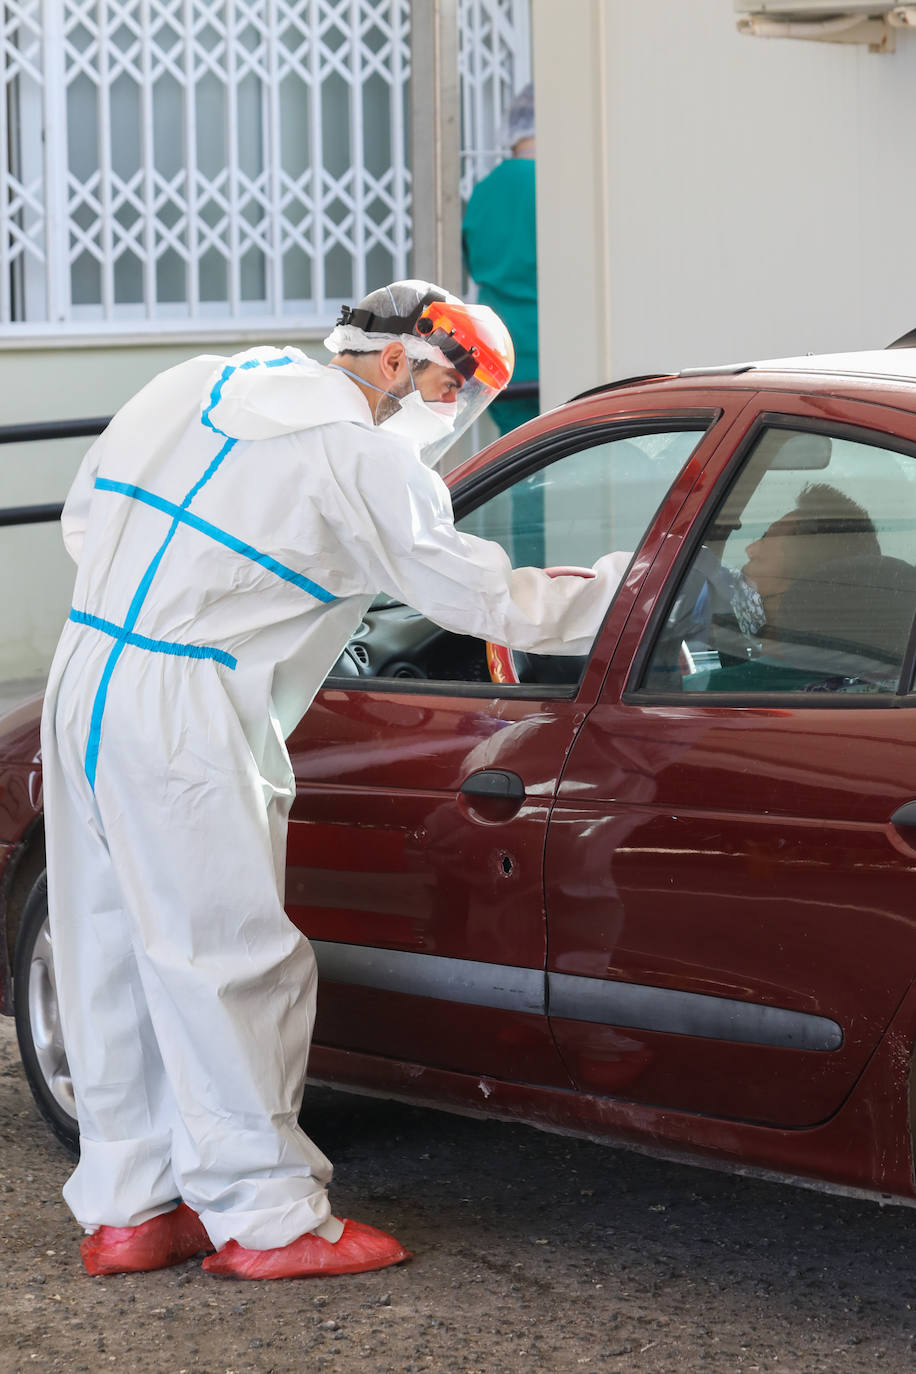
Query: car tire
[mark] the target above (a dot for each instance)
(38, 1027)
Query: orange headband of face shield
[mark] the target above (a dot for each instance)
(473, 338)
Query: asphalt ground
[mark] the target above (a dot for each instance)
(533, 1253)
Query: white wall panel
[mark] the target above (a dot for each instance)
(760, 192)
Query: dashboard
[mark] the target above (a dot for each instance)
(395, 641)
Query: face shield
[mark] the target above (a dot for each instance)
(472, 341)
(434, 426)
(468, 339)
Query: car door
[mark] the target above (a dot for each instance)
(730, 866)
(416, 844)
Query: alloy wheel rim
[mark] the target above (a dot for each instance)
(44, 1023)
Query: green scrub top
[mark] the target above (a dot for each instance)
(500, 250)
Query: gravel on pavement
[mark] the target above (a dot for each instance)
(535, 1254)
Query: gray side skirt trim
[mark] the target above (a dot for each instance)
(430, 975)
(634, 1005)
(689, 1013)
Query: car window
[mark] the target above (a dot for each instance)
(598, 499)
(805, 579)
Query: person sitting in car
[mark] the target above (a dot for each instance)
(795, 580)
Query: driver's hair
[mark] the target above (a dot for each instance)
(837, 527)
(823, 509)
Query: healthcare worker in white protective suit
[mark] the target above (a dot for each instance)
(231, 527)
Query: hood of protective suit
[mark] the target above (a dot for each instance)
(267, 392)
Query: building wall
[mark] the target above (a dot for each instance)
(709, 197)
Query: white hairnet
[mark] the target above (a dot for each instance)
(400, 298)
(519, 121)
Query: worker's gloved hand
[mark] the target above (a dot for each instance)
(359, 1249)
(155, 1244)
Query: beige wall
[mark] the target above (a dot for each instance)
(708, 197)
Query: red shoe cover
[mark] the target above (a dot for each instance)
(155, 1244)
(360, 1248)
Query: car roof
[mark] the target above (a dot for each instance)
(898, 364)
(889, 364)
(895, 364)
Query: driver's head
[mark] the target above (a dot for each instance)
(824, 525)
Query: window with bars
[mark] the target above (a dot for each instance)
(184, 162)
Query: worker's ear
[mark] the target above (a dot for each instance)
(393, 362)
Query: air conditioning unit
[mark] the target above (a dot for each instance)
(815, 9)
(874, 22)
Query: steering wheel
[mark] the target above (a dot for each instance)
(500, 660)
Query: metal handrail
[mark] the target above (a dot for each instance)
(30, 515)
(83, 429)
(53, 429)
(44, 430)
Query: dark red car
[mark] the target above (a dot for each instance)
(664, 894)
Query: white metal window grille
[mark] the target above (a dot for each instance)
(169, 164)
(23, 208)
(494, 62)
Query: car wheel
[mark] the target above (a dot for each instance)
(41, 1042)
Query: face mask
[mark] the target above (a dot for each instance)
(420, 421)
(747, 606)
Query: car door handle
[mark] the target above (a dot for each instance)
(494, 782)
(905, 815)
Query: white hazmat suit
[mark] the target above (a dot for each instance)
(230, 527)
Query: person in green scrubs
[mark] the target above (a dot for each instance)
(500, 251)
